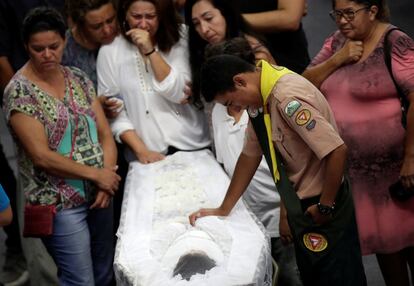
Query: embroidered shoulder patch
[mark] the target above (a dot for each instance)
(292, 107)
(315, 242)
(303, 117)
(311, 124)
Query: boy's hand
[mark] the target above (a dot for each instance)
(316, 216)
(284, 231)
(206, 212)
(148, 156)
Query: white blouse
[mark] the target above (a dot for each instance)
(152, 108)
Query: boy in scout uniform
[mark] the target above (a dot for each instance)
(292, 125)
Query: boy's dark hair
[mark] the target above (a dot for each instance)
(217, 74)
(238, 47)
(42, 19)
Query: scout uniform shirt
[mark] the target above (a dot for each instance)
(303, 131)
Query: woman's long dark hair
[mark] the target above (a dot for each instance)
(235, 26)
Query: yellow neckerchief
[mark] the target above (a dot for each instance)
(268, 79)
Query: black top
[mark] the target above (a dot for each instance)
(290, 49)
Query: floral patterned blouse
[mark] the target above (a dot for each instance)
(70, 126)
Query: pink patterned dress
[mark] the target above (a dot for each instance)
(367, 110)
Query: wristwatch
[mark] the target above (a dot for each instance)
(326, 210)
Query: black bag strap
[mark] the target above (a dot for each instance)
(387, 58)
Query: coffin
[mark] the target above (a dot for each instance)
(157, 245)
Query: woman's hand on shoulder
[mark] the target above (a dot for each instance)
(260, 51)
(284, 230)
(111, 106)
(187, 93)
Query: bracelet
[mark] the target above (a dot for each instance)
(149, 53)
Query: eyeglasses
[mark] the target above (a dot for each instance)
(349, 15)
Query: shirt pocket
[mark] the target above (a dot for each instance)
(279, 139)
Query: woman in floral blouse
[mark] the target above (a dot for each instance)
(67, 155)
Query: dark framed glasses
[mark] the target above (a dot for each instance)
(348, 15)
